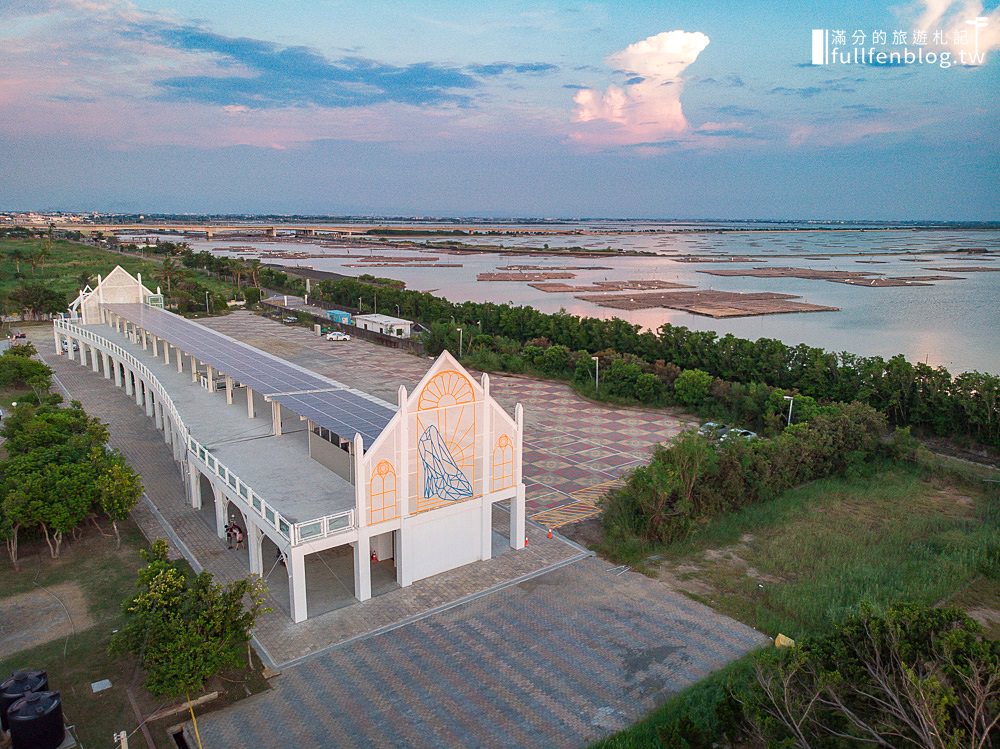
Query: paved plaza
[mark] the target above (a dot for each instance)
(570, 445)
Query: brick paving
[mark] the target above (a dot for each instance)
(556, 661)
(570, 443)
(281, 641)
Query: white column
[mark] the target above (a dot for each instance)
(297, 584)
(145, 340)
(486, 527)
(517, 501)
(276, 418)
(107, 365)
(194, 369)
(168, 430)
(221, 506)
(211, 379)
(83, 351)
(55, 334)
(156, 348)
(254, 537)
(250, 409)
(362, 568)
(118, 373)
(229, 390)
(148, 398)
(194, 479)
(180, 360)
(128, 381)
(94, 363)
(158, 413)
(166, 352)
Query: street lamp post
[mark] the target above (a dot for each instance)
(207, 310)
(397, 311)
(459, 343)
(597, 374)
(791, 402)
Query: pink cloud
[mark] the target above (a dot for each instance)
(648, 108)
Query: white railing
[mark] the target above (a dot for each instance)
(297, 533)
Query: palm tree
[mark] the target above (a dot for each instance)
(45, 251)
(237, 267)
(253, 268)
(17, 256)
(169, 270)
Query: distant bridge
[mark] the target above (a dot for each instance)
(299, 230)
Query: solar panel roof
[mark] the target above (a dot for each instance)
(326, 402)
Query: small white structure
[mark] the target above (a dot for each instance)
(420, 492)
(385, 324)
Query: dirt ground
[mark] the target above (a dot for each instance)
(42, 615)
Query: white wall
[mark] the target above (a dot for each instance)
(441, 540)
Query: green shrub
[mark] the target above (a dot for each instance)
(692, 387)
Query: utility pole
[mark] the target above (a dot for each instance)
(597, 374)
(791, 402)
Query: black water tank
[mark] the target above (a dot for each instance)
(19, 684)
(36, 721)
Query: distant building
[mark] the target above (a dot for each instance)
(394, 326)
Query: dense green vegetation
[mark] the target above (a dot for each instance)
(694, 478)
(59, 470)
(186, 628)
(966, 407)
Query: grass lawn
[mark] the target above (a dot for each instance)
(799, 563)
(105, 575)
(68, 261)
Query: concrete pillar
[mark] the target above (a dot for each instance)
(362, 568)
(211, 379)
(221, 514)
(118, 372)
(250, 408)
(168, 430)
(486, 528)
(107, 365)
(276, 418)
(156, 348)
(82, 352)
(166, 353)
(145, 339)
(194, 369)
(129, 382)
(158, 414)
(517, 519)
(55, 334)
(254, 537)
(296, 563)
(194, 480)
(147, 397)
(180, 360)
(95, 365)
(229, 390)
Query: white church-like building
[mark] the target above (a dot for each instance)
(317, 474)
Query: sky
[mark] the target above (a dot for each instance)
(680, 109)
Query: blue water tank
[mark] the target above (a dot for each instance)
(36, 721)
(18, 685)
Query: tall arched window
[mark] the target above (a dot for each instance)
(382, 493)
(503, 463)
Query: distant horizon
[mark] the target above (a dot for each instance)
(485, 218)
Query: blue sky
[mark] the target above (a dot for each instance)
(647, 109)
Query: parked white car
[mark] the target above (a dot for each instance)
(336, 335)
(65, 345)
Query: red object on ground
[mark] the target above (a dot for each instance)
(525, 539)
(550, 533)
(374, 557)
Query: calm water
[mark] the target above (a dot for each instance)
(955, 323)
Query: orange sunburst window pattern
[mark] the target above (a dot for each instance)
(382, 504)
(446, 443)
(503, 463)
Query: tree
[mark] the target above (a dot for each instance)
(17, 255)
(254, 268)
(913, 676)
(169, 270)
(185, 629)
(36, 299)
(119, 489)
(692, 387)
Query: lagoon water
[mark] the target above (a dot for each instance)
(954, 323)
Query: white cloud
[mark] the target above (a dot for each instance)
(952, 17)
(648, 108)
